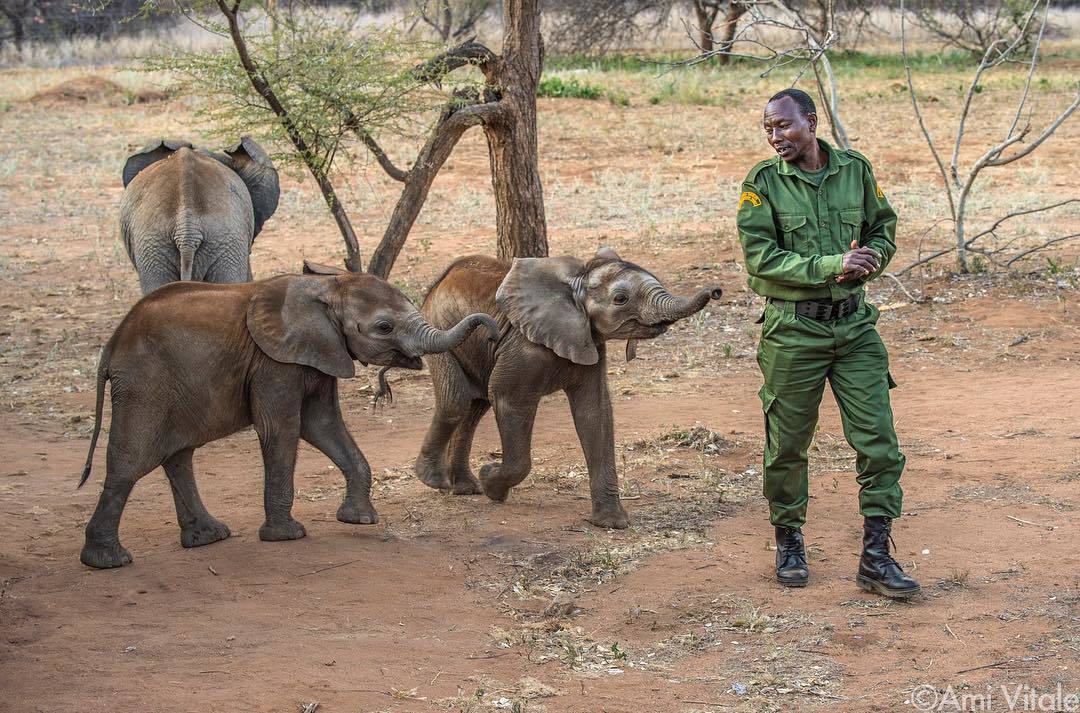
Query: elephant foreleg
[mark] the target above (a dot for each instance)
(514, 415)
(591, 405)
(197, 527)
(322, 426)
(277, 422)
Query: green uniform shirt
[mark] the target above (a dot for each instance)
(794, 233)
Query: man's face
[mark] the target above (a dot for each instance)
(792, 135)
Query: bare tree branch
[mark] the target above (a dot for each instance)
(1018, 213)
(1045, 245)
(468, 52)
(387, 165)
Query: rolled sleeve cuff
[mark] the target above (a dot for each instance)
(832, 265)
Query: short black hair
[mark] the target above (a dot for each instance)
(805, 102)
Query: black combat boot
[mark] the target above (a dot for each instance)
(791, 569)
(878, 571)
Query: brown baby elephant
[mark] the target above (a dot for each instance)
(194, 362)
(557, 315)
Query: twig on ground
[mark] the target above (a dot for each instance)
(333, 566)
(980, 668)
(1029, 522)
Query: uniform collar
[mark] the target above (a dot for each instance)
(836, 160)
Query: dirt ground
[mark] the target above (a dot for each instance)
(461, 604)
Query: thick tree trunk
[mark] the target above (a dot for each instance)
(727, 28)
(521, 226)
(704, 26)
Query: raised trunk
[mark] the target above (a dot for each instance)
(666, 307)
(435, 341)
(521, 227)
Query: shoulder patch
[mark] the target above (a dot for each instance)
(878, 191)
(754, 198)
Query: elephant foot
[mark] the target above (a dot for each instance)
(610, 516)
(431, 476)
(104, 556)
(357, 514)
(203, 532)
(493, 483)
(283, 530)
(466, 484)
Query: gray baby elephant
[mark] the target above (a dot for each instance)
(193, 362)
(191, 214)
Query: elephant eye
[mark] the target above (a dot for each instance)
(620, 298)
(384, 326)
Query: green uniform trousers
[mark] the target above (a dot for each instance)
(796, 355)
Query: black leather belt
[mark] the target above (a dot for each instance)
(823, 310)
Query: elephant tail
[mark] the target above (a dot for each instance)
(102, 377)
(188, 232)
(187, 259)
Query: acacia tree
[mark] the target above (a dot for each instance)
(959, 183)
(505, 106)
(312, 81)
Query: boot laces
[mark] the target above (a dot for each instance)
(889, 548)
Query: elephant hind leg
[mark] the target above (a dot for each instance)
(124, 467)
(462, 480)
(197, 527)
(454, 397)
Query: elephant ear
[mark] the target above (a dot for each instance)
(538, 297)
(290, 318)
(317, 268)
(259, 175)
(152, 153)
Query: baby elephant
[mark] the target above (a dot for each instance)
(557, 316)
(194, 362)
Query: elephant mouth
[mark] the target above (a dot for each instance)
(403, 361)
(633, 329)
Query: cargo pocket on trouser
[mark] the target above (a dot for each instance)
(768, 398)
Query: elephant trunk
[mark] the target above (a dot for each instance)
(433, 341)
(666, 307)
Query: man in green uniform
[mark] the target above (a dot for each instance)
(815, 227)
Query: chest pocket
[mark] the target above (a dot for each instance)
(851, 220)
(796, 233)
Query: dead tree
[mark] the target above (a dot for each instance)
(813, 39)
(960, 183)
(706, 12)
(451, 19)
(506, 109)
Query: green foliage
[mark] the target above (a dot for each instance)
(328, 75)
(571, 88)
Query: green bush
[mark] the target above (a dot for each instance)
(571, 88)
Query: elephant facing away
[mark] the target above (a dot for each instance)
(556, 315)
(189, 214)
(194, 362)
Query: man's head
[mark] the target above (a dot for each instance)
(790, 125)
